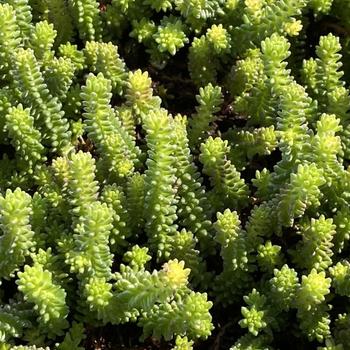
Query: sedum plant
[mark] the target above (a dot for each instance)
(174, 174)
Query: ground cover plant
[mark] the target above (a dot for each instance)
(174, 174)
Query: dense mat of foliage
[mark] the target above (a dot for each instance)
(211, 200)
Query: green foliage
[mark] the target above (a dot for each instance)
(192, 208)
(114, 197)
(24, 137)
(12, 323)
(10, 38)
(42, 39)
(139, 93)
(182, 344)
(23, 16)
(340, 281)
(17, 236)
(283, 287)
(82, 187)
(255, 317)
(135, 203)
(170, 35)
(117, 148)
(160, 200)
(48, 298)
(315, 251)
(263, 18)
(209, 99)
(34, 93)
(169, 164)
(87, 18)
(206, 54)
(169, 318)
(90, 255)
(104, 58)
(235, 253)
(73, 338)
(250, 342)
(294, 199)
(229, 190)
(137, 257)
(71, 51)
